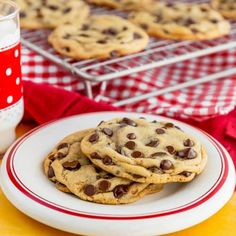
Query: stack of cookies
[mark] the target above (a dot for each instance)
(80, 35)
(123, 159)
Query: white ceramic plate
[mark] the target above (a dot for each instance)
(177, 207)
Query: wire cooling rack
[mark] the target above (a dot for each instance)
(158, 53)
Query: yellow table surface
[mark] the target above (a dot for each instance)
(15, 223)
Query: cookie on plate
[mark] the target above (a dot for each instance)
(37, 14)
(143, 151)
(226, 7)
(100, 36)
(181, 21)
(126, 5)
(69, 168)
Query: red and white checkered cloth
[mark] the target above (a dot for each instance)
(198, 102)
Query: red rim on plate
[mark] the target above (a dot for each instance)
(28, 193)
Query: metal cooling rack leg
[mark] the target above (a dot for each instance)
(187, 84)
(88, 89)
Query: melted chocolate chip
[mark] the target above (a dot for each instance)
(89, 190)
(153, 143)
(51, 173)
(131, 136)
(120, 190)
(22, 14)
(104, 185)
(186, 173)
(62, 145)
(94, 138)
(60, 155)
(95, 155)
(144, 26)
(166, 165)
(110, 31)
(158, 154)
(53, 7)
(137, 36)
(130, 145)
(107, 131)
(128, 121)
(67, 10)
(170, 149)
(169, 125)
(137, 154)
(107, 161)
(160, 131)
(188, 153)
(188, 143)
(71, 165)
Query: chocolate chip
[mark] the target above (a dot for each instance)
(108, 176)
(89, 190)
(214, 21)
(102, 41)
(51, 173)
(128, 121)
(114, 53)
(67, 10)
(160, 131)
(137, 36)
(169, 125)
(166, 165)
(154, 121)
(188, 143)
(124, 28)
(189, 21)
(130, 145)
(185, 173)
(53, 7)
(131, 136)
(153, 143)
(144, 26)
(203, 9)
(107, 161)
(67, 49)
(62, 145)
(85, 27)
(137, 154)
(110, 31)
(158, 154)
(154, 169)
(95, 155)
(94, 138)
(137, 176)
(188, 153)
(84, 35)
(22, 14)
(104, 185)
(71, 165)
(170, 149)
(107, 131)
(61, 155)
(120, 190)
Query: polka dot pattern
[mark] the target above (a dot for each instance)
(10, 77)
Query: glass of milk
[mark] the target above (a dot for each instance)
(11, 98)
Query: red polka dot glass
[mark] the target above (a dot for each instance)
(11, 99)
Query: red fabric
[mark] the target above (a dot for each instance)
(44, 103)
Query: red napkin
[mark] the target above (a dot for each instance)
(44, 103)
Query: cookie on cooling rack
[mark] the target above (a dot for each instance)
(226, 7)
(100, 36)
(72, 171)
(143, 151)
(121, 4)
(181, 21)
(37, 14)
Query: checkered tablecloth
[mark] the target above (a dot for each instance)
(198, 102)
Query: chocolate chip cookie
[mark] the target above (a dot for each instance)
(37, 14)
(181, 21)
(73, 172)
(143, 151)
(121, 4)
(226, 7)
(100, 36)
